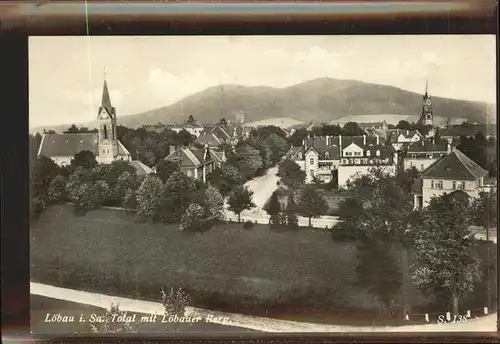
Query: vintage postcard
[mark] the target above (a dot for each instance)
(251, 184)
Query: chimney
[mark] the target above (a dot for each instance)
(433, 142)
(449, 148)
(378, 139)
(422, 143)
(340, 140)
(364, 140)
(327, 140)
(171, 149)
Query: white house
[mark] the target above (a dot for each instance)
(423, 153)
(454, 171)
(320, 157)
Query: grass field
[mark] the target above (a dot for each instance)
(301, 274)
(108, 246)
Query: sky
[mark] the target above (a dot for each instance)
(146, 72)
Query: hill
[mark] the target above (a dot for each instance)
(318, 100)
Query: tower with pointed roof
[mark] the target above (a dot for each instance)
(108, 142)
(427, 116)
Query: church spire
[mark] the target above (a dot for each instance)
(426, 86)
(106, 99)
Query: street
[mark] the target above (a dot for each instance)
(245, 322)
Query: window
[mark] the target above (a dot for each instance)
(300, 156)
(454, 185)
(357, 161)
(432, 184)
(377, 153)
(421, 167)
(429, 156)
(311, 161)
(327, 155)
(311, 173)
(189, 173)
(368, 153)
(414, 156)
(439, 184)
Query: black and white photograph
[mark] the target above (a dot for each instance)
(262, 184)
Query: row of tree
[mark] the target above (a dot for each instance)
(378, 217)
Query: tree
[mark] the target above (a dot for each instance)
(240, 200)
(297, 137)
(148, 196)
(72, 129)
(378, 213)
(193, 220)
(85, 159)
(42, 172)
(376, 271)
(226, 178)
(311, 204)
(292, 220)
(404, 125)
(185, 138)
(445, 248)
(273, 209)
(165, 169)
(57, 189)
(126, 181)
(179, 192)
(353, 129)
(214, 203)
(250, 156)
(291, 174)
(129, 201)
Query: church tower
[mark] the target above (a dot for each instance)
(108, 142)
(427, 117)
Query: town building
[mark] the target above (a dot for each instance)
(320, 157)
(375, 128)
(197, 163)
(104, 144)
(452, 172)
(427, 115)
(454, 132)
(191, 126)
(222, 132)
(423, 153)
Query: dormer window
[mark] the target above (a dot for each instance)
(327, 155)
(377, 153)
(300, 156)
(368, 153)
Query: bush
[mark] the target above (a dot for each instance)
(248, 225)
(194, 219)
(175, 301)
(38, 205)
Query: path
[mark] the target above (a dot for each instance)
(262, 188)
(484, 324)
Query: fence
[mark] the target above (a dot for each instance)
(442, 317)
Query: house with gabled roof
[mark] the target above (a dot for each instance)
(452, 172)
(423, 153)
(197, 163)
(319, 157)
(61, 148)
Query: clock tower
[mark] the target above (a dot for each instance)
(108, 142)
(427, 115)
